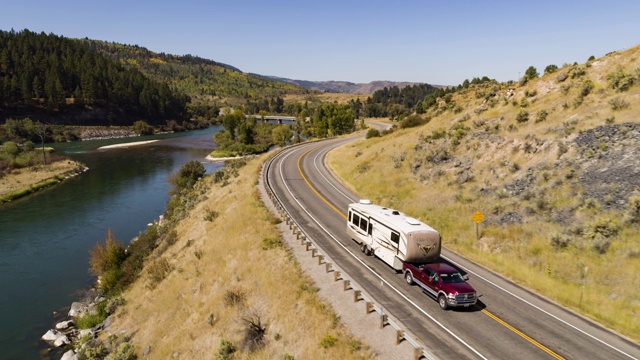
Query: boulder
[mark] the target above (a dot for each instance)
(77, 309)
(84, 332)
(562, 77)
(69, 355)
(51, 335)
(61, 341)
(64, 325)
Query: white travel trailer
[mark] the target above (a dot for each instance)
(391, 235)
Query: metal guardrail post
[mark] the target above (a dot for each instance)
(383, 320)
(417, 353)
(320, 259)
(336, 276)
(328, 267)
(399, 336)
(347, 285)
(368, 307)
(356, 295)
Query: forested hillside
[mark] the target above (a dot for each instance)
(61, 80)
(206, 81)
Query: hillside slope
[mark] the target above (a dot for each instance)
(224, 277)
(554, 165)
(203, 80)
(342, 86)
(49, 77)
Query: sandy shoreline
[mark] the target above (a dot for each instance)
(210, 158)
(126, 144)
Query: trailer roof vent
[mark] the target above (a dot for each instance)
(413, 221)
(395, 212)
(365, 201)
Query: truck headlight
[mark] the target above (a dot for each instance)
(451, 296)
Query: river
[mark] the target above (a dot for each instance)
(45, 238)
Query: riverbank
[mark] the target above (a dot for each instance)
(23, 182)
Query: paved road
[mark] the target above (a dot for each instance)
(508, 323)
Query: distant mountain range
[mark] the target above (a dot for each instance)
(341, 86)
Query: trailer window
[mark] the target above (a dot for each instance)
(364, 224)
(395, 237)
(356, 220)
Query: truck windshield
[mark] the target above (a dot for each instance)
(451, 278)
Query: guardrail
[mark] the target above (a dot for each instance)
(311, 246)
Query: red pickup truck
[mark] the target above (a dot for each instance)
(442, 282)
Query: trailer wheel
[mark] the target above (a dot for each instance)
(408, 278)
(363, 247)
(367, 251)
(442, 301)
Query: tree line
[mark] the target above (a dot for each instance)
(59, 74)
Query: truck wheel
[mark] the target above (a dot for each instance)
(408, 278)
(442, 301)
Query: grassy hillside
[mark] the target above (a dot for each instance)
(554, 165)
(224, 273)
(203, 80)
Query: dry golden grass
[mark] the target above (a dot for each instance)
(24, 178)
(191, 311)
(341, 98)
(610, 291)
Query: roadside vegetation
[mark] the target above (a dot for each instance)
(552, 163)
(246, 134)
(191, 285)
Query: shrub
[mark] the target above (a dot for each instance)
(271, 243)
(226, 351)
(234, 298)
(109, 255)
(530, 93)
(158, 271)
(620, 81)
(618, 104)
(211, 215)
(328, 341)
(254, 332)
(602, 227)
(601, 244)
(523, 116)
(550, 69)
(412, 121)
(559, 241)
(541, 115)
(531, 73)
(371, 133)
(633, 210)
(587, 86)
(188, 175)
(142, 128)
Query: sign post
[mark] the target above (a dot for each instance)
(477, 218)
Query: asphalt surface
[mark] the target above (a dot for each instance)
(509, 321)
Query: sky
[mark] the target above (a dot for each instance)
(432, 41)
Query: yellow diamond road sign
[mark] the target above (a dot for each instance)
(478, 217)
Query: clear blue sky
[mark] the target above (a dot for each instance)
(434, 41)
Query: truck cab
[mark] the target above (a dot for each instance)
(442, 282)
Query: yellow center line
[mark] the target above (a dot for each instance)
(484, 311)
(314, 189)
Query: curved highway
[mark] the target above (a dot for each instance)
(509, 322)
